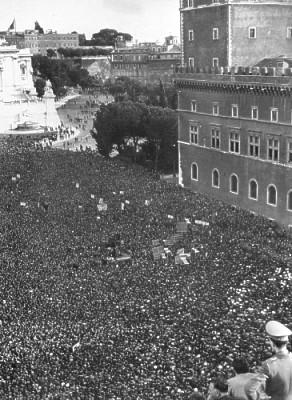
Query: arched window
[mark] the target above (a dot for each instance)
(215, 178)
(234, 184)
(253, 189)
(195, 172)
(289, 200)
(272, 195)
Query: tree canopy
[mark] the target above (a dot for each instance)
(107, 37)
(80, 52)
(144, 132)
(61, 73)
(151, 94)
(38, 28)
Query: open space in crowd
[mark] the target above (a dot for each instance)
(79, 322)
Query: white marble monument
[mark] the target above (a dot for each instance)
(19, 104)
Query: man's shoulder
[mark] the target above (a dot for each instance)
(277, 357)
(271, 360)
(242, 378)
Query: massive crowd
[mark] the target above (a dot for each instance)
(78, 323)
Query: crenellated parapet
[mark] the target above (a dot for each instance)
(232, 71)
(255, 80)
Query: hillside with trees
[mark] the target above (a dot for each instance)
(61, 73)
(80, 52)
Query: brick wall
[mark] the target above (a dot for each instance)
(271, 22)
(203, 48)
(264, 171)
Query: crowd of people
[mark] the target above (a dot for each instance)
(78, 322)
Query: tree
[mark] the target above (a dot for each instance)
(103, 130)
(132, 126)
(40, 86)
(121, 124)
(82, 39)
(161, 132)
(124, 88)
(51, 53)
(38, 28)
(108, 37)
(62, 73)
(162, 97)
(80, 52)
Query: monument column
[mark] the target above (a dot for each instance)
(51, 117)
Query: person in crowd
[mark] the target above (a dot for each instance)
(76, 323)
(196, 396)
(245, 384)
(218, 389)
(278, 368)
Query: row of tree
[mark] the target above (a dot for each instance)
(79, 52)
(124, 88)
(148, 134)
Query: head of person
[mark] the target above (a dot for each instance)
(221, 384)
(278, 344)
(278, 335)
(240, 365)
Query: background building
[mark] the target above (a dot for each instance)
(146, 62)
(234, 32)
(39, 43)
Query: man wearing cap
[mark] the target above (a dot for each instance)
(278, 368)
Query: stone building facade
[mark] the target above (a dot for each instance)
(234, 32)
(235, 138)
(40, 43)
(149, 63)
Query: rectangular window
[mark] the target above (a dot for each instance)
(215, 33)
(215, 62)
(273, 149)
(289, 32)
(190, 3)
(215, 109)
(191, 35)
(234, 143)
(274, 115)
(191, 62)
(254, 112)
(215, 138)
(254, 145)
(194, 105)
(252, 33)
(194, 134)
(289, 158)
(234, 110)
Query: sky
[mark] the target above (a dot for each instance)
(147, 20)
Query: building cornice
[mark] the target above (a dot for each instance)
(226, 152)
(232, 120)
(237, 87)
